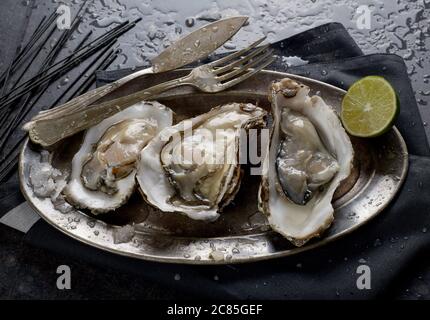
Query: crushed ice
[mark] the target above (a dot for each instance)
(123, 234)
(47, 181)
(293, 61)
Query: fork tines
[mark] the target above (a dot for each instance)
(243, 63)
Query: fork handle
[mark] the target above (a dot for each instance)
(47, 132)
(89, 97)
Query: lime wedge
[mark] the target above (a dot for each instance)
(369, 107)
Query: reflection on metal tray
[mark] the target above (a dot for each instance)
(241, 234)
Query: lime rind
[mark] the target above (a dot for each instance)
(369, 92)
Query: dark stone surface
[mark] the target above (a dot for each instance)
(30, 273)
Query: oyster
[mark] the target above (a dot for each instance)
(104, 168)
(193, 167)
(308, 156)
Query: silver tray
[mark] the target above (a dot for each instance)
(241, 234)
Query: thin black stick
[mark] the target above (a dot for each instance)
(25, 54)
(87, 50)
(84, 86)
(50, 58)
(25, 107)
(12, 159)
(24, 113)
(39, 49)
(91, 79)
(85, 71)
(5, 76)
(5, 114)
(34, 35)
(80, 44)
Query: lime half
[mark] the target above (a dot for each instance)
(369, 107)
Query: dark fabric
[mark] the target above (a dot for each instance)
(394, 244)
(10, 196)
(323, 43)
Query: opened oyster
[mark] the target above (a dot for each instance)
(308, 156)
(193, 167)
(104, 168)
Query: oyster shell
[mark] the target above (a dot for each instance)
(308, 156)
(193, 167)
(104, 168)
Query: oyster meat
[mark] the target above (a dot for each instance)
(104, 168)
(193, 167)
(308, 156)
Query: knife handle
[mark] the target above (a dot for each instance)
(47, 132)
(83, 101)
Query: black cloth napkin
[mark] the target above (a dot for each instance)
(394, 245)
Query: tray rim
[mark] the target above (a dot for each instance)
(239, 260)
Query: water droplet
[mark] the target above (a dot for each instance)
(189, 22)
(96, 232)
(424, 230)
(197, 258)
(422, 102)
(216, 278)
(393, 240)
(351, 215)
(377, 243)
(299, 265)
(177, 277)
(186, 255)
(64, 81)
(229, 45)
(235, 251)
(197, 43)
(362, 261)
(324, 72)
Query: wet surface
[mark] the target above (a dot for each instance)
(399, 27)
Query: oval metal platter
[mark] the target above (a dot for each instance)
(241, 234)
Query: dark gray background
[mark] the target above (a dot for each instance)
(399, 27)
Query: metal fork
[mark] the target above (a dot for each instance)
(212, 77)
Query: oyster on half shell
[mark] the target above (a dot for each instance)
(193, 167)
(104, 168)
(308, 156)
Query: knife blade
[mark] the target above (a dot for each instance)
(196, 45)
